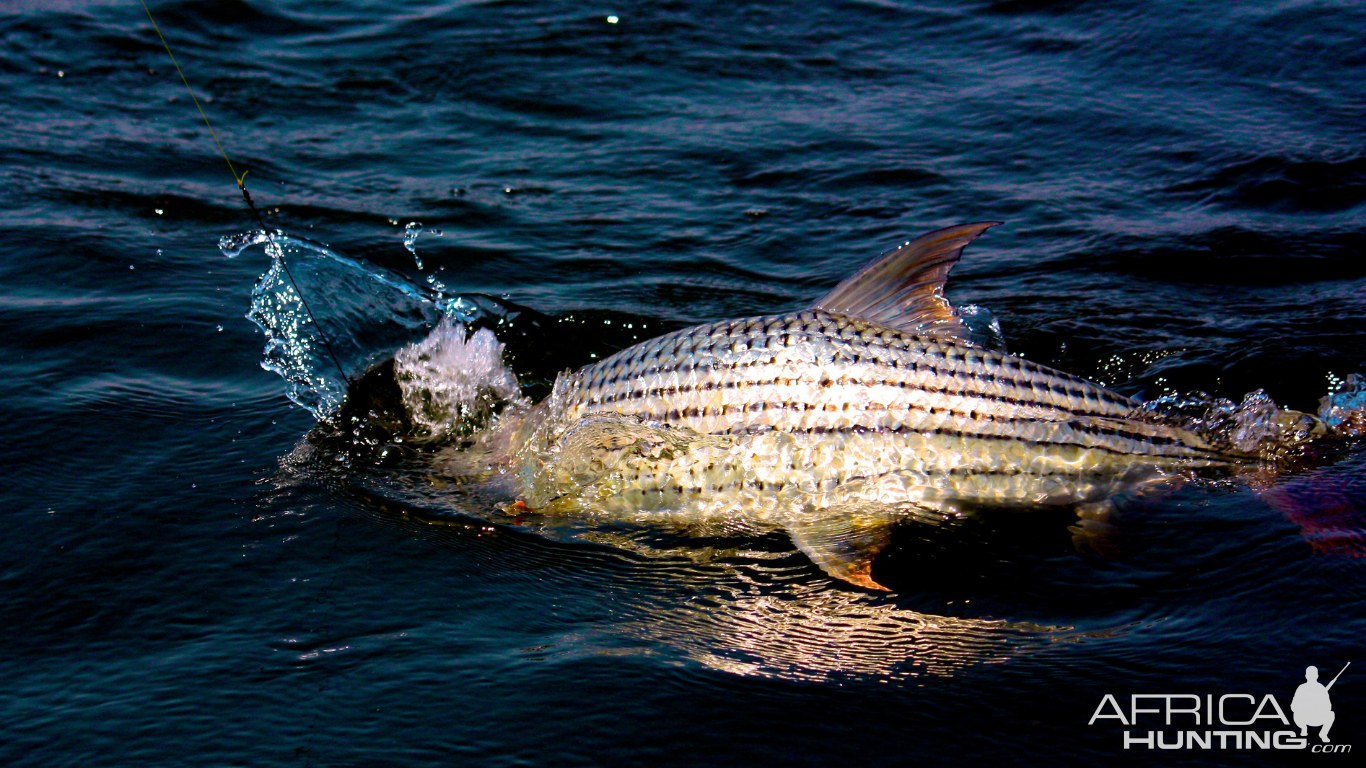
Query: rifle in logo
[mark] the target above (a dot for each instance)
(1312, 706)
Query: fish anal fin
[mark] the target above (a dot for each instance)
(1093, 532)
(843, 546)
(904, 289)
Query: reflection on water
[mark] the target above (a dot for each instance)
(741, 610)
(1327, 506)
(813, 632)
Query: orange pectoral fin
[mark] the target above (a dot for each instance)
(842, 546)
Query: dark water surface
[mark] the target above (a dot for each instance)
(1183, 186)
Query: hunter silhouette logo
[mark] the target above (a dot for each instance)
(1226, 721)
(1311, 705)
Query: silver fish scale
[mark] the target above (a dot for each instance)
(742, 415)
(817, 372)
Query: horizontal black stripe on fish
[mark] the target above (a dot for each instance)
(1153, 440)
(960, 476)
(618, 367)
(811, 324)
(1079, 395)
(738, 384)
(1094, 430)
(606, 374)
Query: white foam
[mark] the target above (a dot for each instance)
(452, 381)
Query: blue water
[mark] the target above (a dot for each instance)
(1183, 186)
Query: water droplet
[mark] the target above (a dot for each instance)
(231, 245)
(410, 232)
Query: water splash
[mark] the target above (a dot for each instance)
(452, 382)
(366, 312)
(1345, 409)
(1255, 427)
(983, 326)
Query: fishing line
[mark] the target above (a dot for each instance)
(242, 185)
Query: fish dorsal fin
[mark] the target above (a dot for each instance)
(904, 289)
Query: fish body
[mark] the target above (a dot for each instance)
(835, 422)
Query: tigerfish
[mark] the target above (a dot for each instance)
(872, 406)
